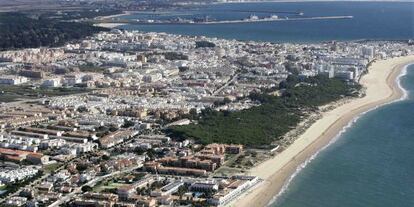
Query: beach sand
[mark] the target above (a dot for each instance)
(381, 88)
(113, 25)
(124, 13)
(109, 25)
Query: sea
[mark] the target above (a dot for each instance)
(372, 20)
(370, 164)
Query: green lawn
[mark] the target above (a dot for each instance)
(10, 97)
(107, 185)
(51, 168)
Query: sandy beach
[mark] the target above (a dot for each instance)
(124, 13)
(112, 25)
(381, 88)
(109, 25)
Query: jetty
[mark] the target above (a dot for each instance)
(241, 21)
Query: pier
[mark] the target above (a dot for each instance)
(263, 11)
(242, 21)
(269, 12)
(275, 20)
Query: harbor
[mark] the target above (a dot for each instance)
(207, 21)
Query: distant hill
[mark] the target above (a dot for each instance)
(26, 5)
(19, 31)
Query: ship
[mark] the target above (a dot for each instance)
(253, 17)
(274, 17)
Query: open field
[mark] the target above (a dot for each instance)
(21, 92)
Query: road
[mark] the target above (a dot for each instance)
(234, 78)
(91, 183)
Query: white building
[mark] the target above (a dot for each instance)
(368, 51)
(168, 189)
(71, 80)
(204, 186)
(16, 201)
(53, 82)
(18, 174)
(222, 199)
(12, 80)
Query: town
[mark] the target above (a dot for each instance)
(85, 124)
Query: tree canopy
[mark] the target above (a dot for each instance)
(268, 122)
(19, 31)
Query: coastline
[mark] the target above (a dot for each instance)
(382, 87)
(112, 25)
(293, 1)
(124, 13)
(109, 25)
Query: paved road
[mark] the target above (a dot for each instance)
(93, 182)
(234, 78)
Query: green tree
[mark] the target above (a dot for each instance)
(86, 188)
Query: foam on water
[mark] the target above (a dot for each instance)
(403, 73)
(343, 130)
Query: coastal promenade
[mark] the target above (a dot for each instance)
(381, 88)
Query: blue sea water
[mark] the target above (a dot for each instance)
(371, 164)
(372, 20)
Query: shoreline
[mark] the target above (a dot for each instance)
(124, 13)
(304, 1)
(382, 87)
(238, 21)
(112, 25)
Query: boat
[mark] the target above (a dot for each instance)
(253, 17)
